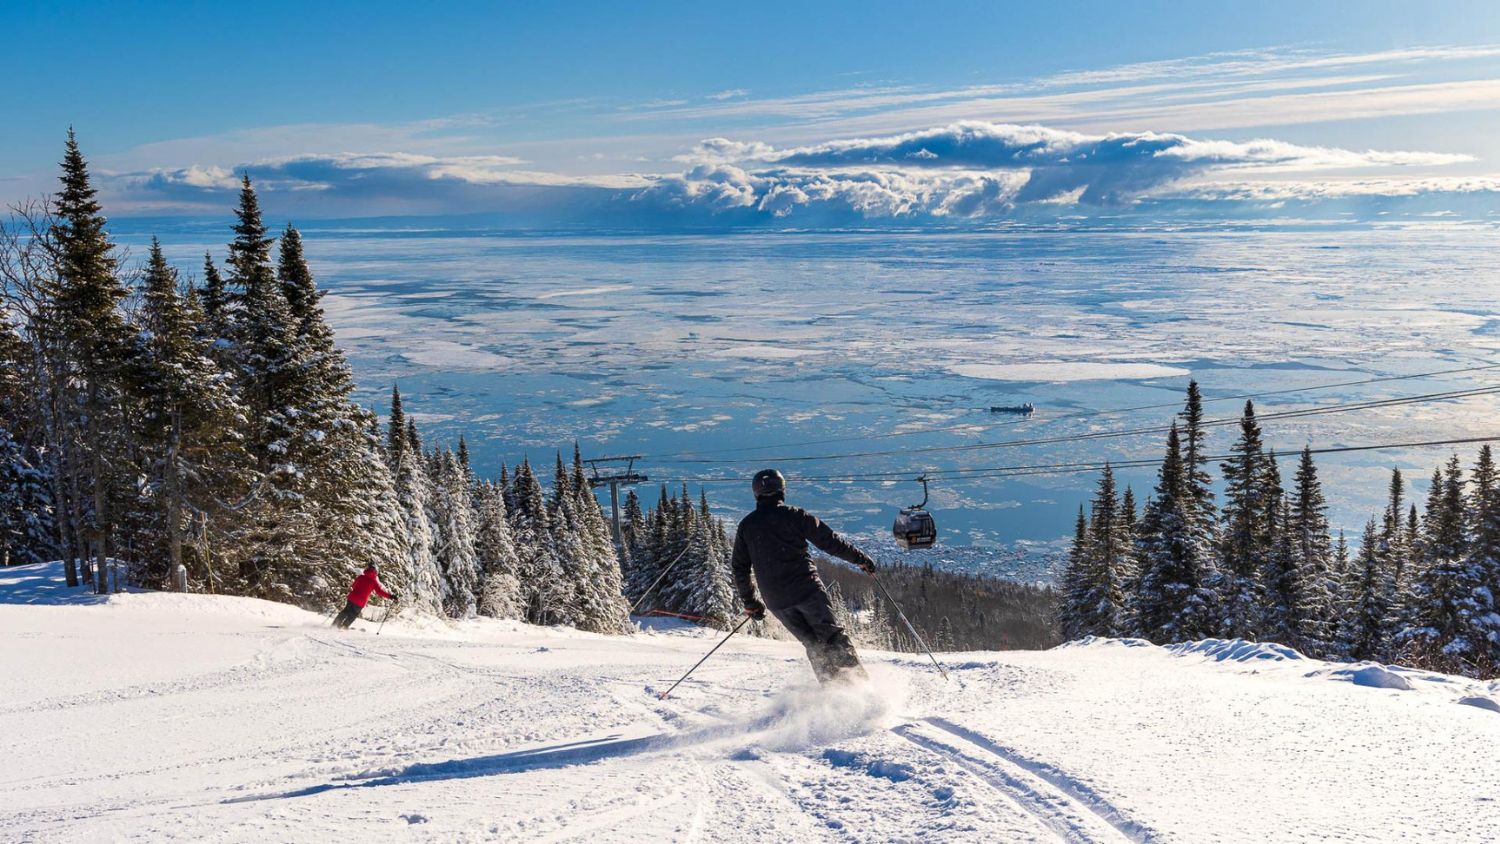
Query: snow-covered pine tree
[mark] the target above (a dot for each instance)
(1395, 552)
(217, 322)
(567, 542)
(453, 544)
(1244, 542)
(1195, 457)
(700, 584)
(1482, 604)
(1362, 634)
(599, 593)
(636, 536)
(1281, 618)
(283, 559)
(1174, 600)
(545, 592)
(1112, 552)
(395, 440)
(1457, 629)
(494, 545)
(28, 532)
(1316, 610)
(506, 492)
(344, 473)
(368, 502)
(26, 527)
(96, 352)
(188, 437)
(413, 490)
(1074, 618)
(710, 593)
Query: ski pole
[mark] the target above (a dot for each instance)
(384, 617)
(665, 694)
(907, 622)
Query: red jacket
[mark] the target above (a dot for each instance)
(359, 593)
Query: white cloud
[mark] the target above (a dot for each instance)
(962, 171)
(732, 93)
(973, 168)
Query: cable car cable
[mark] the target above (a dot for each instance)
(1097, 435)
(1086, 414)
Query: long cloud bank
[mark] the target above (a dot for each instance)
(959, 172)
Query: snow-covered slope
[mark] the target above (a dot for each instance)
(171, 717)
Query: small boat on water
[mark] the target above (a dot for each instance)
(1020, 409)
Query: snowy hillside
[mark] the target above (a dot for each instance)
(189, 717)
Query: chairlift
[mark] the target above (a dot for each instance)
(914, 526)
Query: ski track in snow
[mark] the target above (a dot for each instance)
(164, 717)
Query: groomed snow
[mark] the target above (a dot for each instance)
(159, 717)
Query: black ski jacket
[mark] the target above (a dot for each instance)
(772, 541)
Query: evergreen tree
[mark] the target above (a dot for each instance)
(453, 543)
(1284, 588)
(1111, 548)
(701, 581)
(189, 436)
(1246, 540)
(1128, 511)
(27, 528)
(1174, 599)
(1366, 614)
(25, 505)
(598, 593)
(636, 535)
(1072, 611)
(217, 322)
(1316, 571)
(1195, 456)
(1458, 628)
(413, 491)
(84, 310)
(499, 565)
(1395, 553)
(545, 592)
(395, 441)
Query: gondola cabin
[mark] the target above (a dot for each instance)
(915, 527)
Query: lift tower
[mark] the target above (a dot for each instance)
(613, 480)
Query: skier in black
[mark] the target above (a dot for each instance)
(772, 541)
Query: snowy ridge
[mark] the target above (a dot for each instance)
(1485, 695)
(152, 716)
(1235, 650)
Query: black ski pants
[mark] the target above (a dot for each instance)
(828, 646)
(347, 615)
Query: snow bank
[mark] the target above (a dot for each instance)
(1235, 650)
(1106, 642)
(1374, 677)
(1481, 702)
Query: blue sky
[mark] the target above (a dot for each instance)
(774, 111)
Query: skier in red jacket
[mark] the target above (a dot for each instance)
(359, 595)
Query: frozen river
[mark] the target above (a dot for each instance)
(693, 350)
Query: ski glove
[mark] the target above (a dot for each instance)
(866, 564)
(756, 610)
(395, 597)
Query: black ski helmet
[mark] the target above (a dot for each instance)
(767, 483)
